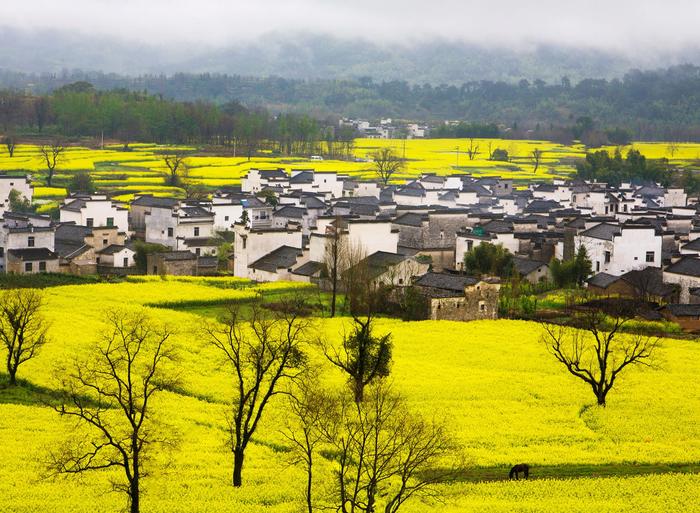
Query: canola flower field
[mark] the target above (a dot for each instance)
(504, 398)
(141, 169)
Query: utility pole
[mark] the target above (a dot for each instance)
(457, 156)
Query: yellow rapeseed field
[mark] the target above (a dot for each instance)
(503, 397)
(141, 169)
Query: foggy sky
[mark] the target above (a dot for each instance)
(632, 27)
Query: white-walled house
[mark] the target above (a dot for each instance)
(258, 179)
(95, 210)
(116, 255)
(24, 237)
(252, 244)
(227, 211)
(617, 249)
(468, 239)
(182, 228)
(142, 205)
(277, 265)
(686, 274)
(373, 235)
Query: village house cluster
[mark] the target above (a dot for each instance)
(640, 238)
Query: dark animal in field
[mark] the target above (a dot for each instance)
(515, 471)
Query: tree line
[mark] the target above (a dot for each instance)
(642, 105)
(79, 110)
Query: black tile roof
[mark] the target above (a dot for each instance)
(148, 200)
(72, 232)
(380, 261)
(604, 231)
(68, 249)
(445, 281)
(410, 219)
(688, 266)
(283, 257)
(196, 212)
(308, 269)
(33, 254)
(684, 310)
(304, 177)
(542, 206)
(111, 249)
(602, 280)
(291, 212)
(525, 266)
(693, 245)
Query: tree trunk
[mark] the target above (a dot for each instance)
(134, 495)
(11, 369)
(359, 390)
(237, 467)
(309, 483)
(334, 293)
(134, 492)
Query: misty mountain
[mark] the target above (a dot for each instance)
(318, 57)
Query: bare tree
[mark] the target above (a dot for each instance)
(312, 409)
(536, 158)
(672, 148)
(472, 150)
(359, 282)
(176, 162)
(263, 351)
(23, 330)
(53, 155)
(386, 164)
(383, 453)
(335, 257)
(195, 191)
(596, 351)
(110, 393)
(10, 142)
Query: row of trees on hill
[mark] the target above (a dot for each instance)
(643, 105)
(615, 169)
(78, 110)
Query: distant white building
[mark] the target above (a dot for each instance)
(181, 228)
(617, 249)
(29, 241)
(94, 210)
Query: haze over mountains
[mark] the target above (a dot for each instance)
(314, 56)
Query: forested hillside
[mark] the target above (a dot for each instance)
(649, 105)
